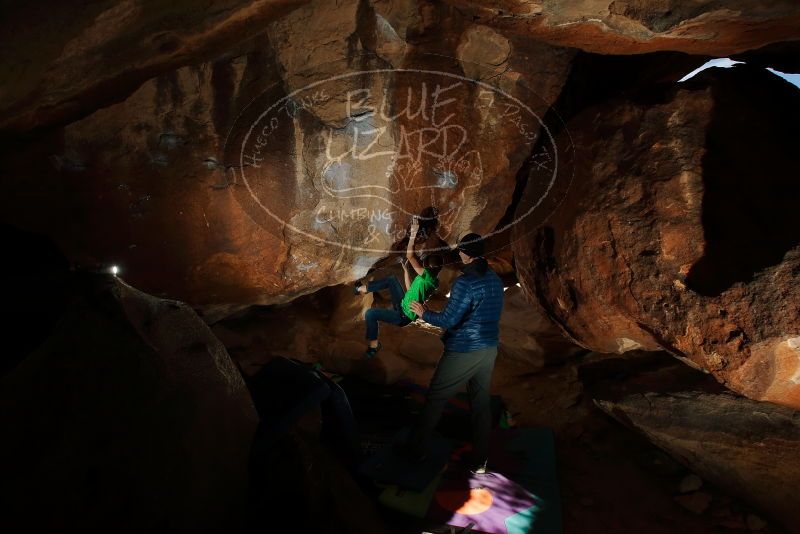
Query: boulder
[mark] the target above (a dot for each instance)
(678, 230)
(747, 447)
(129, 416)
(291, 159)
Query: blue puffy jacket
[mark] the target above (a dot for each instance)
(472, 314)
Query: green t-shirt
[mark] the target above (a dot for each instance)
(421, 288)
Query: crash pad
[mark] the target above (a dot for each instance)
(518, 496)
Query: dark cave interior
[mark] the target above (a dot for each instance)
(184, 350)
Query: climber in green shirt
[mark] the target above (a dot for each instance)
(420, 289)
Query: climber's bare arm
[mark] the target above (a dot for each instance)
(412, 259)
(406, 276)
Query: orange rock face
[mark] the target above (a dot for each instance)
(716, 28)
(295, 159)
(677, 231)
(68, 62)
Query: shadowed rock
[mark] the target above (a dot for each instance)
(747, 447)
(130, 415)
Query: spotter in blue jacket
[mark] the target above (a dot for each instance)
(472, 315)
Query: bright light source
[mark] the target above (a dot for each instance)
(722, 62)
(114, 270)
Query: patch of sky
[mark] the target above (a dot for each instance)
(792, 78)
(727, 63)
(722, 62)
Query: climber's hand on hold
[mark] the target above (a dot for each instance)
(417, 308)
(414, 227)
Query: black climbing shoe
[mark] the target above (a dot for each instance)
(356, 287)
(372, 351)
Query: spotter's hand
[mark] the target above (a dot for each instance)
(417, 308)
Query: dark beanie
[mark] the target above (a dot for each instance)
(471, 245)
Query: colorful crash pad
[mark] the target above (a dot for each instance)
(487, 501)
(519, 496)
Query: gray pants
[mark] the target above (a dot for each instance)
(453, 371)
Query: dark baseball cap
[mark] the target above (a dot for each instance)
(471, 245)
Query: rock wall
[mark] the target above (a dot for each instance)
(678, 232)
(742, 445)
(100, 54)
(90, 57)
(295, 159)
(169, 149)
(711, 27)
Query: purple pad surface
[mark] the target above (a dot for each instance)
(507, 498)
